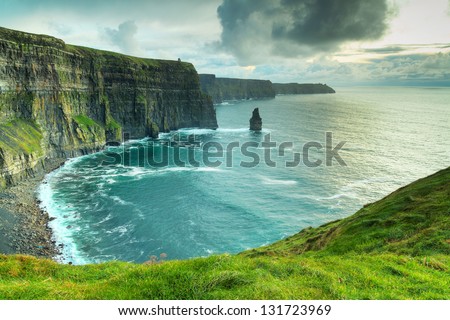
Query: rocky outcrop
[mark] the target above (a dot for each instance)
(222, 89)
(256, 121)
(59, 100)
(304, 88)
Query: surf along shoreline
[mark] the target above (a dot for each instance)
(24, 225)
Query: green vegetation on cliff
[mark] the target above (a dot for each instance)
(20, 143)
(395, 248)
(222, 89)
(82, 97)
(302, 88)
(89, 131)
(20, 136)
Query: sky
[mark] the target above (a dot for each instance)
(338, 42)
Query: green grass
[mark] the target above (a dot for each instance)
(112, 124)
(350, 276)
(85, 121)
(91, 130)
(125, 59)
(396, 248)
(414, 220)
(20, 136)
(24, 38)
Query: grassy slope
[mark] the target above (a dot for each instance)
(396, 248)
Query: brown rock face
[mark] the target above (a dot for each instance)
(256, 121)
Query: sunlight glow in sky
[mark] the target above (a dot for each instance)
(356, 42)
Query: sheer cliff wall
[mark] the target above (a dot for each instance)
(59, 100)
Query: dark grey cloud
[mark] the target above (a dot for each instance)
(252, 28)
(386, 50)
(124, 37)
(401, 48)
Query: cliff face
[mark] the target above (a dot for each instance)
(58, 100)
(304, 88)
(221, 89)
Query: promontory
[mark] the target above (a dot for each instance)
(59, 100)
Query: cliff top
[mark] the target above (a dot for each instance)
(395, 248)
(34, 39)
(210, 75)
(20, 37)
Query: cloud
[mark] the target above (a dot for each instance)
(254, 30)
(124, 37)
(411, 69)
(386, 49)
(60, 29)
(173, 11)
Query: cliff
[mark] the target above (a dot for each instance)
(221, 89)
(304, 88)
(60, 100)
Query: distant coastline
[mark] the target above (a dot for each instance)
(229, 89)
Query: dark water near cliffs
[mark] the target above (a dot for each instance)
(129, 212)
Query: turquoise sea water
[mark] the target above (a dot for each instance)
(129, 210)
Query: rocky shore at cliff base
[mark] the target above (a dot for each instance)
(23, 225)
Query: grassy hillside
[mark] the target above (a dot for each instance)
(396, 248)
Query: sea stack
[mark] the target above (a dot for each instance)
(256, 121)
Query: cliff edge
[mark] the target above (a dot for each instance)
(222, 89)
(395, 248)
(302, 88)
(59, 100)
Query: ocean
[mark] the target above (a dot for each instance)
(197, 192)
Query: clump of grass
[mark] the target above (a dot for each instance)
(155, 260)
(85, 121)
(21, 136)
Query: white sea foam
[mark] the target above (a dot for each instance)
(270, 181)
(120, 200)
(199, 131)
(210, 169)
(60, 225)
(339, 196)
(240, 130)
(105, 219)
(195, 131)
(232, 130)
(120, 230)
